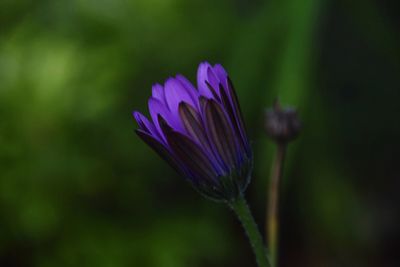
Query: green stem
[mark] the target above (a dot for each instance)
(273, 217)
(243, 212)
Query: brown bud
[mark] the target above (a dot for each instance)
(282, 124)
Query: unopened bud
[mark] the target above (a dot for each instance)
(282, 124)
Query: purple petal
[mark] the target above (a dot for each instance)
(175, 93)
(189, 88)
(221, 133)
(145, 124)
(214, 93)
(191, 155)
(158, 92)
(238, 114)
(221, 74)
(194, 126)
(156, 107)
(212, 78)
(227, 104)
(202, 77)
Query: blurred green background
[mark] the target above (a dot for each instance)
(78, 188)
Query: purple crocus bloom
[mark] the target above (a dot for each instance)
(200, 132)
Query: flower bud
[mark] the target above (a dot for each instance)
(282, 124)
(200, 132)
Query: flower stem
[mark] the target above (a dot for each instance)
(243, 212)
(272, 220)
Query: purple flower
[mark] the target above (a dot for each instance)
(200, 132)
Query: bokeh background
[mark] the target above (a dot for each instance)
(78, 188)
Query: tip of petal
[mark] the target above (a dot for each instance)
(170, 81)
(136, 114)
(204, 63)
(158, 92)
(171, 84)
(186, 83)
(203, 67)
(220, 71)
(156, 86)
(180, 76)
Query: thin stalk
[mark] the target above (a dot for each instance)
(243, 212)
(272, 220)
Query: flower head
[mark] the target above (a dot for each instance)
(282, 124)
(200, 132)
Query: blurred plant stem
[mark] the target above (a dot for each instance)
(243, 212)
(272, 220)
